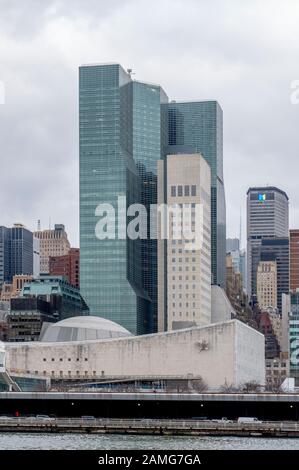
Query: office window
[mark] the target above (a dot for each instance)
(173, 191)
(187, 190)
(193, 190)
(180, 190)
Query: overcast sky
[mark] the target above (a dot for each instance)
(242, 53)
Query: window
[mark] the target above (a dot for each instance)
(193, 190)
(187, 191)
(180, 190)
(173, 191)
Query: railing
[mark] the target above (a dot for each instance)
(149, 424)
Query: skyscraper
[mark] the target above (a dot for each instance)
(16, 252)
(232, 244)
(123, 131)
(196, 127)
(4, 255)
(52, 242)
(126, 126)
(267, 217)
(267, 284)
(184, 274)
(294, 259)
(277, 249)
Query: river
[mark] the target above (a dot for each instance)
(15, 441)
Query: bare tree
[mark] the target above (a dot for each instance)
(229, 388)
(199, 385)
(251, 387)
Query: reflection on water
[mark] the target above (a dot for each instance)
(14, 441)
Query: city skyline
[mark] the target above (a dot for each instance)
(41, 96)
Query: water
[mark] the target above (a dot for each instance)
(14, 441)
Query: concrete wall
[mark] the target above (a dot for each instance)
(249, 343)
(234, 353)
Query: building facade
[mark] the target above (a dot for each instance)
(13, 289)
(224, 353)
(197, 127)
(232, 244)
(267, 284)
(277, 249)
(16, 252)
(65, 300)
(184, 273)
(126, 126)
(52, 242)
(267, 216)
(293, 331)
(294, 259)
(122, 135)
(67, 265)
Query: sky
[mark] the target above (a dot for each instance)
(243, 53)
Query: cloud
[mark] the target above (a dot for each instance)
(242, 53)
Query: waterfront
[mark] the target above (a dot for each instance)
(14, 441)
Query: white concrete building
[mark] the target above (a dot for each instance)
(224, 353)
(184, 262)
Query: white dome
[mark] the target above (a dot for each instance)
(82, 329)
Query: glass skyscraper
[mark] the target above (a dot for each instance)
(123, 132)
(126, 126)
(267, 217)
(16, 252)
(196, 127)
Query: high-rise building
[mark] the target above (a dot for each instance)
(4, 254)
(184, 272)
(16, 252)
(126, 126)
(232, 244)
(52, 242)
(277, 249)
(67, 266)
(293, 335)
(243, 270)
(21, 251)
(36, 257)
(196, 127)
(267, 284)
(267, 216)
(294, 259)
(123, 133)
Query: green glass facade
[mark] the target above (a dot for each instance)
(121, 136)
(126, 126)
(294, 336)
(198, 127)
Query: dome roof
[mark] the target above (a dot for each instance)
(82, 329)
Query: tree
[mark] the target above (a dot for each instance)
(199, 385)
(251, 387)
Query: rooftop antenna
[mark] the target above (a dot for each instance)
(38, 225)
(49, 223)
(130, 72)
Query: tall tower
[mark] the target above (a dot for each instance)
(267, 217)
(184, 271)
(197, 127)
(123, 130)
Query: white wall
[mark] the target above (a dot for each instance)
(235, 354)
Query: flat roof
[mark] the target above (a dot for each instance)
(267, 188)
